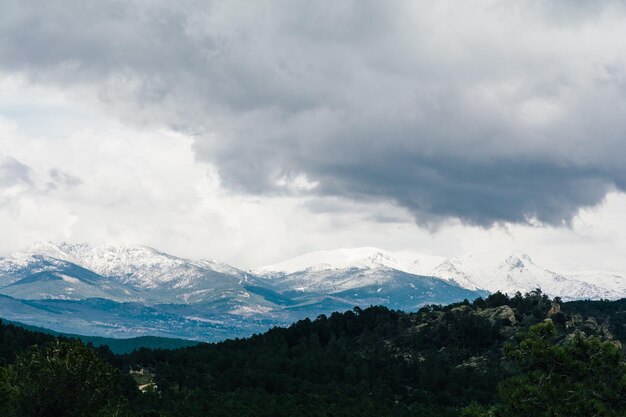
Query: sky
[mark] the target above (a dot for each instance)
(250, 132)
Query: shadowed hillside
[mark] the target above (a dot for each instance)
(466, 358)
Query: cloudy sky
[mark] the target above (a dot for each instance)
(255, 131)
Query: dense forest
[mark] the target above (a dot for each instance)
(525, 355)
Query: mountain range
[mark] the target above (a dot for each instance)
(129, 291)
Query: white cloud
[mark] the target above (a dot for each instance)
(253, 132)
(482, 111)
(297, 183)
(144, 186)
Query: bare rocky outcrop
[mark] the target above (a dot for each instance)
(574, 321)
(554, 309)
(503, 314)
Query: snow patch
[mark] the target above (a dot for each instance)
(69, 279)
(250, 310)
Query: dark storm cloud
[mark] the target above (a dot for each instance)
(490, 112)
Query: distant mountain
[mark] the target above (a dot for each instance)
(38, 277)
(508, 272)
(515, 271)
(136, 274)
(365, 276)
(360, 258)
(131, 291)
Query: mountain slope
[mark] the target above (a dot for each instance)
(132, 291)
(361, 258)
(129, 291)
(440, 356)
(515, 271)
(145, 274)
(508, 272)
(39, 277)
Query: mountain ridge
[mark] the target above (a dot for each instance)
(505, 271)
(133, 290)
(145, 268)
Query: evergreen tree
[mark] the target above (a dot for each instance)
(65, 379)
(579, 376)
(8, 393)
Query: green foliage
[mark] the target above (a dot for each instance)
(611, 312)
(65, 379)
(477, 410)
(578, 376)
(253, 403)
(8, 393)
(14, 339)
(364, 362)
(372, 353)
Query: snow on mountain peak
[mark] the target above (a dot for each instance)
(506, 271)
(517, 260)
(81, 252)
(50, 249)
(145, 267)
(360, 258)
(139, 265)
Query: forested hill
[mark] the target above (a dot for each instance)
(117, 346)
(499, 356)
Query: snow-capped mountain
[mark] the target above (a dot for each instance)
(124, 291)
(38, 277)
(140, 273)
(148, 275)
(508, 272)
(360, 258)
(366, 276)
(515, 271)
(137, 265)
(135, 290)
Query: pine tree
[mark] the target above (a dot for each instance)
(65, 379)
(579, 376)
